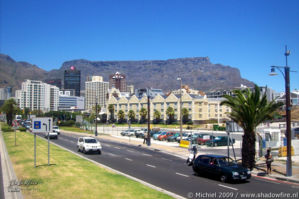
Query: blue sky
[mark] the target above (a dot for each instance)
(247, 34)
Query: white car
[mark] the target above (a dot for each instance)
(89, 144)
(51, 135)
(56, 129)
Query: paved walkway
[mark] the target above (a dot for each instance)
(8, 174)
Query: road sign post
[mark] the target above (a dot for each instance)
(42, 125)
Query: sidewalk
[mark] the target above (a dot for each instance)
(278, 166)
(10, 191)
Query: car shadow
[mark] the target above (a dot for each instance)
(217, 178)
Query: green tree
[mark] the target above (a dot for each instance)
(143, 114)
(249, 109)
(132, 116)
(121, 116)
(157, 117)
(185, 115)
(111, 111)
(170, 114)
(10, 108)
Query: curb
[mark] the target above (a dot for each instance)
(8, 173)
(121, 173)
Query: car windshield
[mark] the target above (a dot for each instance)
(90, 141)
(55, 127)
(226, 161)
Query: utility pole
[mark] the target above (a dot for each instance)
(148, 119)
(96, 130)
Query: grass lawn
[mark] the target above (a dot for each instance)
(75, 129)
(70, 176)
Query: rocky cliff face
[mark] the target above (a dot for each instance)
(198, 73)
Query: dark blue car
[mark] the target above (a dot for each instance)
(221, 167)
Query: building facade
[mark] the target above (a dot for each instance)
(37, 95)
(96, 90)
(5, 93)
(68, 102)
(72, 79)
(118, 81)
(200, 108)
(54, 82)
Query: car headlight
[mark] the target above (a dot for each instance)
(235, 173)
(248, 172)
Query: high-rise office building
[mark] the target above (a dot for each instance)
(118, 81)
(37, 95)
(54, 82)
(96, 90)
(72, 78)
(5, 93)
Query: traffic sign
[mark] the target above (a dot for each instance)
(42, 124)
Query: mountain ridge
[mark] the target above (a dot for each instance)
(197, 72)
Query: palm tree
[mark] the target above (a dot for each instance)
(143, 114)
(185, 115)
(249, 109)
(121, 116)
(131, 115)
(170, 114)
(111, 111)
(10, 108)
(157, 116)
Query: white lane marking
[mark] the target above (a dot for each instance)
(128, 159)
(180, 174)
(166, 159)
(221, 185)
(111, 154)
(107, 145)
(131, 151)
(116, 147)
(146, 154)
(150, 165)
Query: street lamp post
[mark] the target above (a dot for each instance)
(286, 75)
(181, 116)
(96, 130)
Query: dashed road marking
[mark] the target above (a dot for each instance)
(221, 185)
(146, 154)
(150, 165)
(128, 159)
(116, 147)
(131, 151)
(180, 174)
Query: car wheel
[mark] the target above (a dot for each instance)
(78, 149)
(215, 144)
(223, 178)
(84, 151)
(100, 152)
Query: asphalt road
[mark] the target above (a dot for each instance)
(171, 173)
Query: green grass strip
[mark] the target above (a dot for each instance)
(70, 176)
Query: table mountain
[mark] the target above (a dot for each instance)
(198, 73)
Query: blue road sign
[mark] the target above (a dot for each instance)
(37, 125)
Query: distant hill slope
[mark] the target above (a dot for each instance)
(198, 72)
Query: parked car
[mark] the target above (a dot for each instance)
(139, 133)
(221, 167)
(128, 132)
(203, 138)
(89, 144)
(165, 136)
(185, 136)
(51, 135)
(155, 136)
(173, 137)
(56, 129)
(219, 141)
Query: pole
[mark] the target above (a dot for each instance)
(288, 116)
(181, 116)
(148, 119)
(96, 130)
(34, 149)
(49, 142)
(15, 137)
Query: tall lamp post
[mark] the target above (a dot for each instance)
(286, 75)
(96, 130)
(181, 116)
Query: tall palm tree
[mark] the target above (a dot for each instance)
(170, 114)
(185, 115)
(157, 116)
(111, 111)
(132, 115)
(143, 114)
(249, 109)
(121, 115)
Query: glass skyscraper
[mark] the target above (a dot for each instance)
(72, 80)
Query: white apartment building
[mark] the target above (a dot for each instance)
(96, 90)
(37, 95)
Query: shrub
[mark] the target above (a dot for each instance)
(6, 128)
(67, 123)
(23, 129)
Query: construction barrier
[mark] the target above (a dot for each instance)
(282, 152)
(184, 143)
